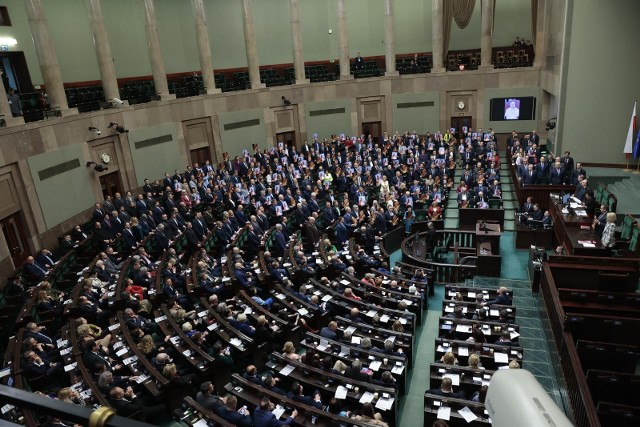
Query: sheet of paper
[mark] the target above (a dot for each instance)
(493, 312)
(303, 311)
(385, 404)
(326, 298)
(67, 368)
(514, 335)
(287, 370)
(355, 340)
(384, 318)
(471, 294)
(212, 326)
(444, 412)
(500, 357)
(397, 370)
(160, 319)
(350, 330)
(236, 342)
(345, 282)
(278, 411)
(455, 378)
(341, 392)
(403, 321)
(201, 423)
(463, 328)
(367, 397)
(463, 351)
(372, 313)
(467, 414)
(122, 352)
(375, 365)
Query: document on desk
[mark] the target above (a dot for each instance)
(287, 370)
(463, 328)
(341, 392)
(514, 335)
(463, 351)
(375, 365)
(587, 243)
(467, 414)
(201, 423)
(345, 282)
(372, 313)
(303, 311)
(471, 294)
(350, 330)
(444, 413)
(385, 404)
(500, 357)
(581, 212)
(236, 342)
(355, 340)
(367, 397)
(384, 318)
(455, 378)
(397, 370)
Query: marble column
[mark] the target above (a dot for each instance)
(155, 54)
(539, 47)
(437, 27)
(47, 57)
(251, 45)
(486, 39)
(204, 48)
(343, 42)
(296, 37)
(103, 50)
(389, 40)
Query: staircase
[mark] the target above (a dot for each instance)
(626, 190)
(509, 200)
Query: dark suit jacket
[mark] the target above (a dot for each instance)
(235, 417)
(125, 408)
(267, 419)
(453, 395)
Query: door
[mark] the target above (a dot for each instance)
(288, 138)
(458, 123)
(200, 156)
(14, 234)
(372, 128)
(15, 72)
(111, 184)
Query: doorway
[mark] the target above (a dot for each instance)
(460, 122)
(288, 138)
(200, 156)
(111, 184)
(14, 233)
(372, 128)
(15, 72)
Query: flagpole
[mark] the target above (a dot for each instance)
(630, 149)
(637, 171)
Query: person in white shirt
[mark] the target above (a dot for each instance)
(512, 113)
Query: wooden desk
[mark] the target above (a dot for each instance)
(525, 237)
(568, 231)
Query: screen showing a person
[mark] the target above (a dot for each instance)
(511, 109)
(521, 108)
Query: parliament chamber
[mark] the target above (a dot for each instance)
(304, 212)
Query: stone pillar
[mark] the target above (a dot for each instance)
(251, 46)
(437, 26)
(486, 39)
(343, 42)
(103, 50)
(155, 54)
(389, 40)
(204, 49)
(296, 37)
(539, 47)
(47, 57)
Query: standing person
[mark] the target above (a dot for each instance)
(14, 103)
(609, 232)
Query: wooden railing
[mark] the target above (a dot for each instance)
(581, 404)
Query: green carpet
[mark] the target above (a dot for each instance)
(514, 261)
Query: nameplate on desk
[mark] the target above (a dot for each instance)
(161, 318)
(114, 327)
(212, 326)
(70, 367)
(118, 345)
(174, 340)
(122, 352)
(397, 370)
(129, 360)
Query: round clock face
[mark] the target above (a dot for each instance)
(106, 158)
(461, 105)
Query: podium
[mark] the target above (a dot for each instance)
(488, 249)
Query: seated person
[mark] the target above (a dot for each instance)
(240, 417)
(446, 390)
(263, 417)
(502, 298)
(297, 394)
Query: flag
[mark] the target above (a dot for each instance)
(636, 147)
(628, 146)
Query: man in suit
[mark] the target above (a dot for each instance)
(600, 220)
(32, 268)
(241, 417)
(542, 169)
(342, 235)
(199, 226)
(243, 279)
(207, 398)
(501, 299)
(355, 372)
(45, 258)
(567, 162)
(556, 173)
(35, 331)
(263, 417)
(311, 235)
(329, 331)
(297, 394)
(581, 190)
(126, 404)
(529, 177)
(446, 390)
(280, 243)
(578, 174)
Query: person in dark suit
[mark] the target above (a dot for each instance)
(162, 241)
(32, 268)
(263, 417)
(359, 62)
(600, 220)
(297, 394)
(342, 235)
(130, 240)
(446, 390)
(355, 372)
(567, 162)
(45, 259)
(241, 417)
(501, 299)
(329, 331)
(529, 177)
(578, 174)
(280, 243)
(556, 173)
(35, 366)
(127, 404)
(311, 235)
